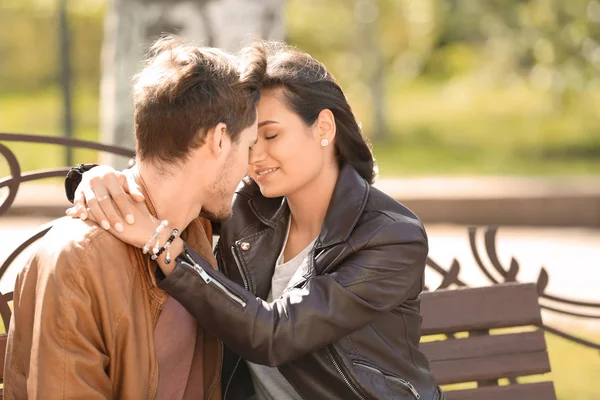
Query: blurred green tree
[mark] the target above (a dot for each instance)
(468, 82)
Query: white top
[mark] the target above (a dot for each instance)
(269, 383)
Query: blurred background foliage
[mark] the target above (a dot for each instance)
(441, 87)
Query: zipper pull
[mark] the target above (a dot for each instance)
(412, 389)
(205, 277)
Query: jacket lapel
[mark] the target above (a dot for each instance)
(257, 253)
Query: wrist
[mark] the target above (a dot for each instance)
(163, 237)
(154, 236)
(175, 249)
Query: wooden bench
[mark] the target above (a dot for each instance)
(481, 357)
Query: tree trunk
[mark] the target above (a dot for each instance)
(66, 77)
(132, 25)
(376, 76)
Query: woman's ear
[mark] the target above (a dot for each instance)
(326, 126)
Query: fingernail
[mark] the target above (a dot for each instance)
(119, 227)
(105, 225)
(129, 219)
(69, 211)
(83, 216)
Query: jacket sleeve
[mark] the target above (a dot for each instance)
(375, 279)
(56, 347)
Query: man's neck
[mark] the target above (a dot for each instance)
(170, 195)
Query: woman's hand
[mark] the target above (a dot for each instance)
(100, 189)
(138, 233)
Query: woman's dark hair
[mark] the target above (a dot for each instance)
(308, 88)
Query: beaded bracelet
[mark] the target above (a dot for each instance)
(168, 256)
(174, 234)
(155, 236)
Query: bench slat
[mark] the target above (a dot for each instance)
(3, 340)
(529, 391)
(494, 367)
(484, 346)
(498, 306)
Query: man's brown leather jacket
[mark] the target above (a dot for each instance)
(85, 307)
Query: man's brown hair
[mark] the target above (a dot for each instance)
(185, 90)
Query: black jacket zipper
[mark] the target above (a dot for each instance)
(341, 372)
(403, 382)
(193, 265)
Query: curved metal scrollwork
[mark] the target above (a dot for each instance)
(548, 302)
(450, 276)
(14, 180)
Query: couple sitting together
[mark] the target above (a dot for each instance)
(312, 291)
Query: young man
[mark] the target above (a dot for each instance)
(89, 321)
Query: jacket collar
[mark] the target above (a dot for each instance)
(346, 206)
(140, 182)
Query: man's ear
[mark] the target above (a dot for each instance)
(217, 140)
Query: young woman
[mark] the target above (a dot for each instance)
(320, 273)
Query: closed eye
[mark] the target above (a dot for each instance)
(271, 137)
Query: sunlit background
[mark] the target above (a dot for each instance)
(441, 87)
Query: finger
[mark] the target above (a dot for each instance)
(77, 212)
(79, 205)
(91, 216)
(73, 212)
(94, 208)
(101, 187)
(134, 190)
(108, 207)
(118, 191)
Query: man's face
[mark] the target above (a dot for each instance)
(235, 168)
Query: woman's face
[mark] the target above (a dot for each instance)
(288, 154)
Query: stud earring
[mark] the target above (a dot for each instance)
(324, 142)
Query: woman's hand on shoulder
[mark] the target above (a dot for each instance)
(106, 196)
